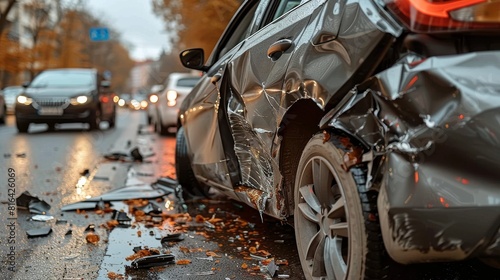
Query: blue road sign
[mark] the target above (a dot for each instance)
(99, 34)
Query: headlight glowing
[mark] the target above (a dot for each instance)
(121, 102)
(116, 98)
(153, 98)
(82, 99)
(24, 100)
(144, 104)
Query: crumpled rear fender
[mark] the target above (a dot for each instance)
(432, 128)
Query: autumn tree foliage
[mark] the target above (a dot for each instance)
(58, 38)
(195, 23)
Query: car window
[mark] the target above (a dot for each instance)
(285, 6)
(187, 82)
(63, 79)
(241, 31)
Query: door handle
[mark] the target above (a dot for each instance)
(215, 78)
(278, 48)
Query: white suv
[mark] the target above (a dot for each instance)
(177, 86)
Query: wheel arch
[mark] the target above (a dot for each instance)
(295, 130)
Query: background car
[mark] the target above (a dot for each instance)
(177, 86)
(359, 123)
(124, 100)
(66, 95)
(10, 95)
(3, 108)
(152, 99)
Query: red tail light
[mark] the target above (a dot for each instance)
(447, 15)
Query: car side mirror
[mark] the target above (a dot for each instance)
(193, 59)
(105, 84)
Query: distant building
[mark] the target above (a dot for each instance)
(139, 77)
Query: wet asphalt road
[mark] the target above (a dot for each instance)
(222, 239)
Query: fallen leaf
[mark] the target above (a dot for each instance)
(244, 266)
(183, 262)
(92, 238)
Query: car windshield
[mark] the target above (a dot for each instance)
(187, 82)
(63, 79)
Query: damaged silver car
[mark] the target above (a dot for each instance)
(371, 126)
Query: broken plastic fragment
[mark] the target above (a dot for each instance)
(136, 155)
(152, 261)
(39, 232)
(121, 217)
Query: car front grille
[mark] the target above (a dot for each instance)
(52, 101)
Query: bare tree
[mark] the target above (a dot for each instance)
(4, 14)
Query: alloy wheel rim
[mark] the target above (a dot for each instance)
(321, 221)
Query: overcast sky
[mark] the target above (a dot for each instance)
(138, 26)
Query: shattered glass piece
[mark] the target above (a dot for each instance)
(272, 268)
(137, 249)
(24, 199)
(42, 218)
(152, 261)
(39, 232)
(39, 207)
(151, 208)
(209, 225)
(33, 203)
(61, 221)
(283, 276)
(211, 258)
(204, 273)
(173, 237)
(122, 218)
(90, 227)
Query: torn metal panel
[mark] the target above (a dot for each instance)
(435, 129)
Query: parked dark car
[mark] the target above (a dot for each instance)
(3, 108)
(66, 96)
(371, 126)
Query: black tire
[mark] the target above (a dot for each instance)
(22, 126)
(190, 186)
(4, 114)
(95, 120)
(161, 129)
(112, 120)
(336, 222)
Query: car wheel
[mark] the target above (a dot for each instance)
(335, 220)
(95, 120)
(185, 175)
(4, 114)
(112, 120)
(22, 126)
(161, 129)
